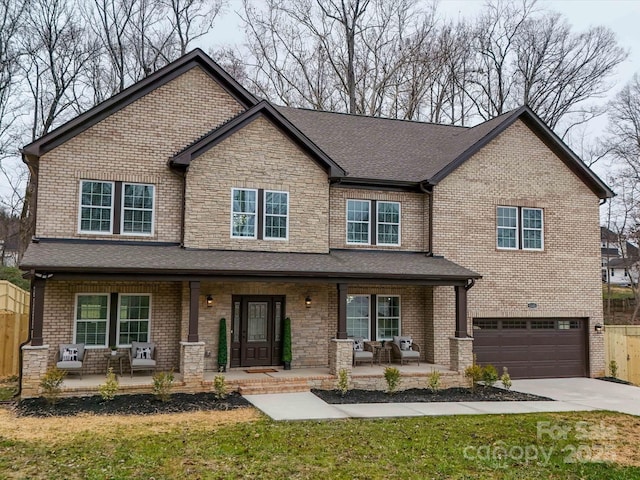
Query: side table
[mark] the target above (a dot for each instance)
(112, 358)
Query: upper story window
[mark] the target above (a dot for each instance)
(116, 208)
(520, 228)
(380, 217)
(244, 211)
(137, 209)
(96, 205)
(259, 214)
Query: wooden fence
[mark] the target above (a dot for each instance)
(622, 344)
(14, 326)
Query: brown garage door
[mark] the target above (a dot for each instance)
(532, 347)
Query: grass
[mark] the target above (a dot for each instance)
(8, 388)
(617, 293)
(244, 444)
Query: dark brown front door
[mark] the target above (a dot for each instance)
(256, 336)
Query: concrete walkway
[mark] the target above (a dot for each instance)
(570, 395)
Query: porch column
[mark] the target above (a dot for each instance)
(461, 312)
(194, 311)
(37, 310)
(342, 311)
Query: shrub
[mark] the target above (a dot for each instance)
(613, 368)
(392, 376)
(109, 389)
(343, 381)
(51, 383)
(434, 381)
(489, 375)
(505, 378)
(222, 346)
(286, 342)
(474, 373)
(220, 387)
(162, 383)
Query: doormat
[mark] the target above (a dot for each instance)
(261, 370)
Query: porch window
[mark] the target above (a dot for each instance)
(276, 215)
(137, 209)
(388, 316)
(358, 316)
(358, 221)
(96, 206)
(243, 213)
(91, 319)
(388, 223)
(134, 316)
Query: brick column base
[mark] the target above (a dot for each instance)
(34, 365)
(340, 356)
(461, 353)
(192, 362)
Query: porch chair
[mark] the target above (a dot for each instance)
(142, 356)
(71, 357)
(362, 352)
(405, 349)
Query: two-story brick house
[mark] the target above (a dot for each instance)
(184, 200)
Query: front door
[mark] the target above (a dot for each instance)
(257, 331)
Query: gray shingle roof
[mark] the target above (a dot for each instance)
(387, 149)
(161, 259)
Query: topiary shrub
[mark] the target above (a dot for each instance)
(222, 346)
(286, 344)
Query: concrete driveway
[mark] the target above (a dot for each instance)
(585, 392)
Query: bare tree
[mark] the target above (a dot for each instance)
(624, 127)
(191, 19)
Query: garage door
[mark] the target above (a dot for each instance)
(532, 347)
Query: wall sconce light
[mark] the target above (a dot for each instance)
(209, 300)
(307, 301)
(598, 327)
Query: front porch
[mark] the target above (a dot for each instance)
(276, 380)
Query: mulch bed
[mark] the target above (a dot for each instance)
(129, 405)
(614, 380)
(419, 395)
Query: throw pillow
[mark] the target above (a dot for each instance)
(358, 345)
(405, 344)
(144, 353)
(70, 355)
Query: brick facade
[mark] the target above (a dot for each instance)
(563, 280)
(133, 145)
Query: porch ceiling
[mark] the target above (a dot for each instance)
(74, 258)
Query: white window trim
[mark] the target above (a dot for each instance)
(153, 211)
(399, 224)
(517, 228)
(347, 222)
(541, 229)
(368, 297)
(264, 216)
(255, 230)
(96, 232)
(118, 319)
(75, 318)
(399, 297)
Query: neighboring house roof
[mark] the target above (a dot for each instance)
(113, 258)
(622, 262)
(264, 109)
(162, 76)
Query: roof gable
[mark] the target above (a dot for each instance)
(195, 58)
(264, 109)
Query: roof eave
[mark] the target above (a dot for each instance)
(550, 139)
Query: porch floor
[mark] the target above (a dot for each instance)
(236, 378)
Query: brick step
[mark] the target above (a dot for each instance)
(275, 387)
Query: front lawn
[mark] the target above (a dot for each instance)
(244, 444)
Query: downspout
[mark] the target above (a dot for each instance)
(429, 191)
(31, 275)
